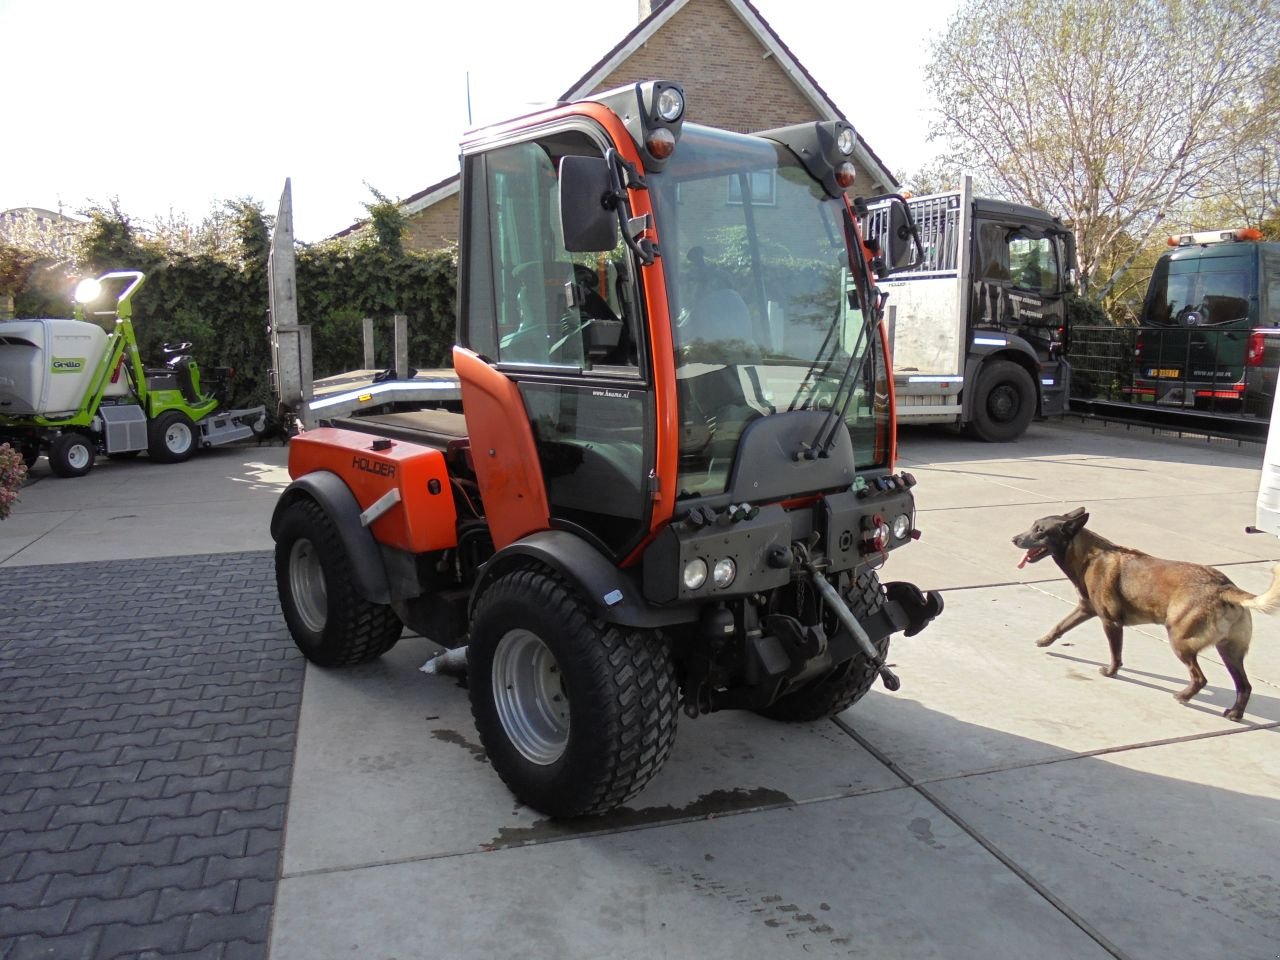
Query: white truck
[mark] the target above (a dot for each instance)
(977, 327)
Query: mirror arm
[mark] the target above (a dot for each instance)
(617, 200)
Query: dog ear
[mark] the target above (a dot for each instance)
(1076, 520)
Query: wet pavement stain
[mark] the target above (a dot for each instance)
(922, 829)
(458, 740)
(706, 807)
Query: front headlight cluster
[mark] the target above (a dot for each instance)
(696, 571)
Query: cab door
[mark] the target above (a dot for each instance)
(565, 330)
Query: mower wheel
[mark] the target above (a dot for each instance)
(71, 455)
(330, 622)
(171, 437)
(576, 715)
(850, 681)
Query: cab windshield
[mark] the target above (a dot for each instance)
(765, 309)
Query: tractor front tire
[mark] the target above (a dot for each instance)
(171, 437)
(1005, 402)
(330, 621)
(71, 455)
(824, 698)
(576, 715)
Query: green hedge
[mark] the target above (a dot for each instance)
(220, 303)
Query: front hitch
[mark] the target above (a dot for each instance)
(850, 623)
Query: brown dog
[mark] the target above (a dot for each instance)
(1198, 605)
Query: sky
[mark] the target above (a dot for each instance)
(171, 108)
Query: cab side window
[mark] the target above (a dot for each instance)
(552, 307)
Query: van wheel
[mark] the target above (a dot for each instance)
(329, 620)
(576, 715)
(71, 455)
(1005, 402)
(850, 681)
(171, 437)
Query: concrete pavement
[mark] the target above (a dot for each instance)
(1007, 802)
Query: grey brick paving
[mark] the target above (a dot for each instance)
(148, 712)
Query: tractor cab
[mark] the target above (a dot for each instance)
(671, 483)
(649, 319)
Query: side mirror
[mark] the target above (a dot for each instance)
(588, 214)
(899, 240)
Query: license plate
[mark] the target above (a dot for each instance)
(1163, 372)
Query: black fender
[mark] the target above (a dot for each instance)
(614, 594)
(334, 497)
(1010, 346)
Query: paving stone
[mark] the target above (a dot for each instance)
(95, 912)
(161, 939)
(251, 926)
(143, 709)
(81, 946)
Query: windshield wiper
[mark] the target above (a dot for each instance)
(821, 446)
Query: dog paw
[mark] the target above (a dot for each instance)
(1109, 671)
(1045, 641)
(1183, 697)
(1233, 714)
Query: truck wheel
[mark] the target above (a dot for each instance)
(330, 622)
(576, 715)
(30, 453)
(849, 682)
(71, 455)
(171, 437)
(1005, 402)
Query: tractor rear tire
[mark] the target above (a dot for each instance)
(71, 455)
(576, 715)
(330, 621)
(1005, 402)
(849, 682)
(171, 437)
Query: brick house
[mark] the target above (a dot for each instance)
(716, 49)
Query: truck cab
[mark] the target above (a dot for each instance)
(977, 324)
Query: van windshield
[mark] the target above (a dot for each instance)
(1199, 291)
(765, 312)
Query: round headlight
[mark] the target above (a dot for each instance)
(901, 526)
(671, 104)
(695, 573)
(845, 141)
(88, 290)
(723, 572)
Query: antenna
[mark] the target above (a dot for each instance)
(468, 98)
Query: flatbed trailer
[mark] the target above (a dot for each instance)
(344, 394)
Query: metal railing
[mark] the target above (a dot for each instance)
(1192, 378)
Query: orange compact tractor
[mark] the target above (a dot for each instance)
(671, 480)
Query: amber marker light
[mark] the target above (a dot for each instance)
(661, 143)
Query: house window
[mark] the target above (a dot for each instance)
(760, 183)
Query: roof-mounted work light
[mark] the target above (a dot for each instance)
(825, 148)
(653, 112)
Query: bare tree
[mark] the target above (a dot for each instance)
(1113, 113)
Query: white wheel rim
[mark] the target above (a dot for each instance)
(177, 437)
(306, 583)
(78, 456)
(528, 691)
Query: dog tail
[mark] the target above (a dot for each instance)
(1268, 602)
